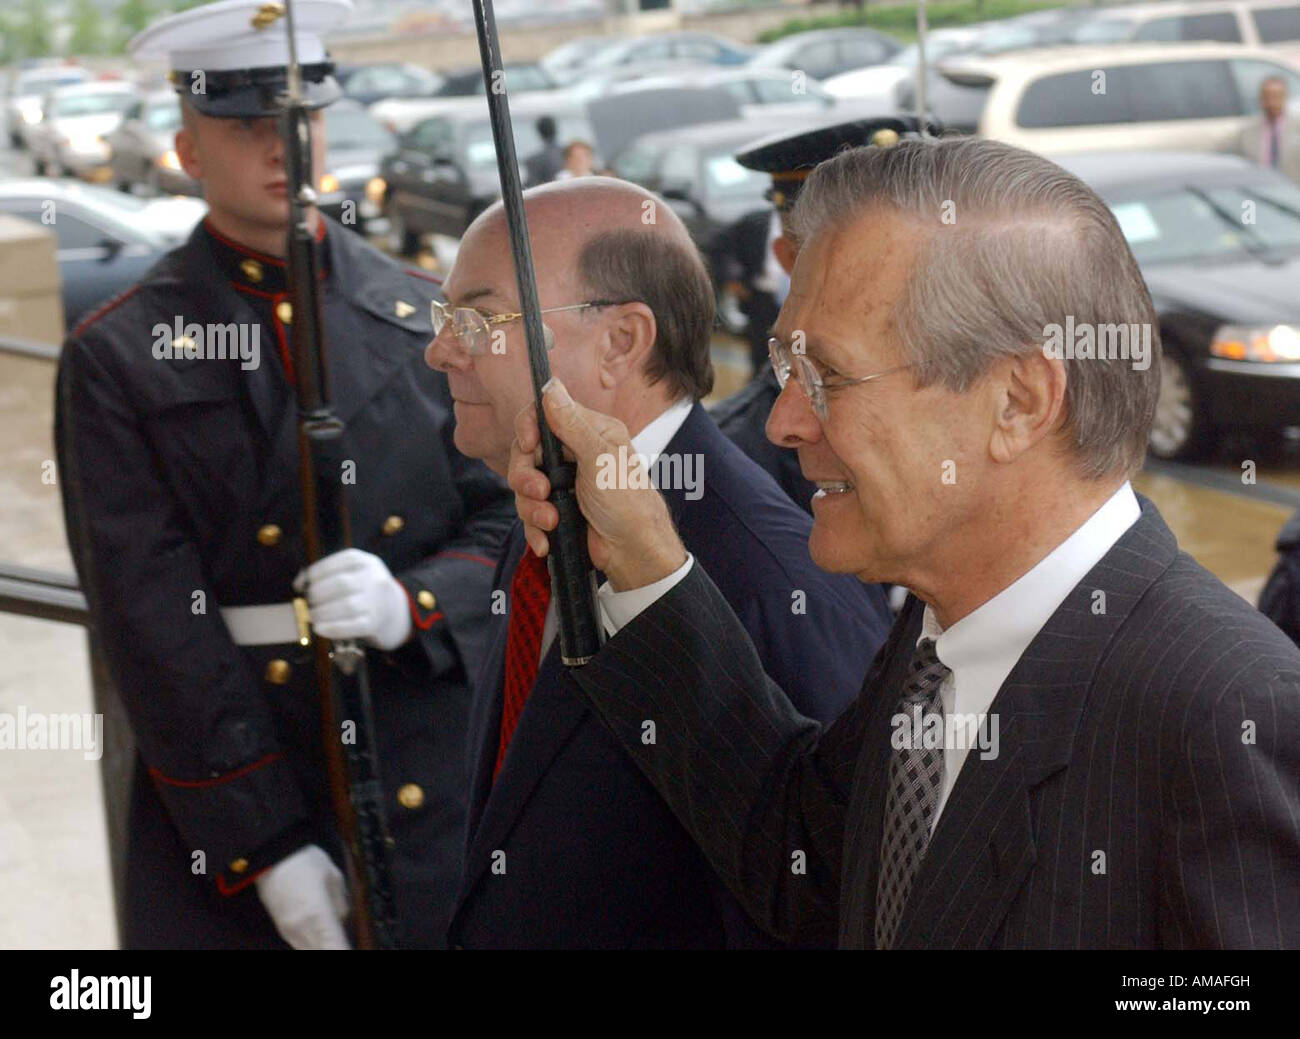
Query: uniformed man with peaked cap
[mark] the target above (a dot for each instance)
(179, 460)
(789, 158)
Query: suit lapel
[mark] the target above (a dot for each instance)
(984, 846)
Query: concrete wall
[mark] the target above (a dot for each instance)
(441, 50)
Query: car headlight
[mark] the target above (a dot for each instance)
(328, 184)
(375, 188)
(169, 160)
(1266, 344)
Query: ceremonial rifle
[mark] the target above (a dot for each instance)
(572, 579)
(341, 673)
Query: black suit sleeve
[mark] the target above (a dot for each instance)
(1230, 843)
(761, 789)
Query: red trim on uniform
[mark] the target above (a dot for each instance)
(465, 555)
(237, 888)
(94, 316)
(195, 784)
(275, 298)
(423, 274)
(427, 622)
(244, 250)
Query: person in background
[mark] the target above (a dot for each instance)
(544, 166)
(1271, 138)
(578, 156)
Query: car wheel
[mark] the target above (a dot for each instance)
(1180, 430)
(404, 241)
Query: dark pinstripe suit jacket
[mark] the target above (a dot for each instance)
(1145, 793)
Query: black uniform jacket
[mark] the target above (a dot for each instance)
(181, 496)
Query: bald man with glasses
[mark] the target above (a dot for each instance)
(568, 845)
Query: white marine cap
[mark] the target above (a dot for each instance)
(237, 36)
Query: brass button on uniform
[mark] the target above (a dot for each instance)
(410, 796)
(239, 866)
(284, 311)
(252, 270)
(392, 525)
(426, 599)
(268, 535)
(278, 671)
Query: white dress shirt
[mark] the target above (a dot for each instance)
(980, 649)
(650, 443)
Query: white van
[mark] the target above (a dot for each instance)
(1187, 97)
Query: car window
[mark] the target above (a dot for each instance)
(859, 51)
(431, 136)
(696, 50)
(744, 91)
(653, 50)
(70, 231)
(163, 117)
(1250, 73)
(90, 104)
(725, 177)
(817, 59)
(781, 91)
(1103, 30)
(1277, 24)
(638, 164)
(1192, 223)
(679, 167)
(1221, 26)
(480, 150)
(352, 128)
(1158, 92)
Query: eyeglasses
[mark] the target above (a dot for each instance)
(473, 327)
(785, 360)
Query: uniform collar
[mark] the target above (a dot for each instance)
(249, 269)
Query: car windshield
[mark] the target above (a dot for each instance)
(90, 104)
(935, 48)
(1198, 223)
(1102, 30)
(163, 117)
(726, 178)
(347, 130)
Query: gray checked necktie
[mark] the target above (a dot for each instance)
(915, 783)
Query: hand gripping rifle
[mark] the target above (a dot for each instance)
(572, 578)
(341, 673)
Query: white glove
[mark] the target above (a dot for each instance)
(352, 595)
(305, 897)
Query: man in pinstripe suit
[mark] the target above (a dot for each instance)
(1075, 736)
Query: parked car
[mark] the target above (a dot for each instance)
(823, 53)
(757, 91)
(520, 78)
(1262, 23)
(368, 84)
(27, 89)
(355, 144)
(443, 173)
(106, 240)
(1224, 288)
(699, 47)
(69, 138)
(695, 170)
(566, 62)
(876, 84)
(398, 115)
(142, 150)
(1163, 97)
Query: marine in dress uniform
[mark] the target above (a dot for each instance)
(788, 159)
(181, 495)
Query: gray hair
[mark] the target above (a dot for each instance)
(1010, 244)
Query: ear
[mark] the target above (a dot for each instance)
(785, 252)
(1029, 402)
(187, 152)
(626, 346)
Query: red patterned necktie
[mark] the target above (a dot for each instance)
(530, 595)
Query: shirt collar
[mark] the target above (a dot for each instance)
(654, 439)
(983, 647)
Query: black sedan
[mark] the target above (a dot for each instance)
(1218, 241)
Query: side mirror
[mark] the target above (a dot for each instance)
(111, 247)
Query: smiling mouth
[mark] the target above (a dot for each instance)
(826, 488)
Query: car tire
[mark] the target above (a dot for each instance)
(1181, 429)
(404, 242)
